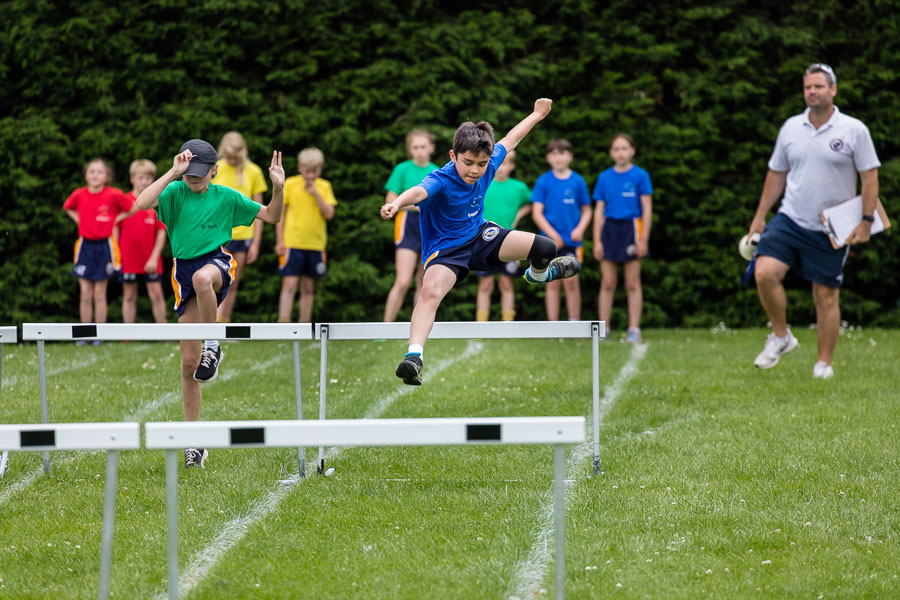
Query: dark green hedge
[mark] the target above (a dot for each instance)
(702, 87)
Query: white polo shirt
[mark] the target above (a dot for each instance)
(822, 164)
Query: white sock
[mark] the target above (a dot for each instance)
(211, 345)
(416, 349)
(538, 275)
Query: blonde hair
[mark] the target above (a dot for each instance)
(142, 166)
(414, 133)
(106, 165)
(234, 145)
(310, 157)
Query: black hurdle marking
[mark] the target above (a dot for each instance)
(483, 433)
(42, 437)
(248, 435)
(84, 331)
(237, 331)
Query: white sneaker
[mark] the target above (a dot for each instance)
(822, 370)
(774, 349)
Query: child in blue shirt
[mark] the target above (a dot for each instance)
(561, 208)
(455, 236)
(622, 219)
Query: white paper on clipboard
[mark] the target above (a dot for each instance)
(841, 219)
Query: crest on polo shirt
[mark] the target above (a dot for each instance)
(490, 233)
(836, 144)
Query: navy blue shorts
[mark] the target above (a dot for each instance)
(295, 262)
(406, 231)
(619, 238)
(810, 252)
(575, 251)
(239, 246)
(183, 270)
(510, 269)
(480, 254)
(96, 260)
(136, 277)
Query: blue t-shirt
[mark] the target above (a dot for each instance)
(622, 192)
(454, 210)
(562, 200)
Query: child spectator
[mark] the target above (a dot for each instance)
(302, 235)
(407, 239)
(96, 209)
(455, 236)
(506, 201)
(561, 208)
(141, 239)
(199, 217)
(239, 173)
(622, 220)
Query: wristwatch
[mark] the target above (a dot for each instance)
(869, 218)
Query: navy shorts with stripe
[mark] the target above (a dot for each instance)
(619, 239)
(480, 254)
(407, 233)
(95, 260)
(296, 262)
(183, 270)
(809, 252)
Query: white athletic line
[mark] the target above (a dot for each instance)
(235, 530)
(531, 573)
(52, 371)
(141, 413)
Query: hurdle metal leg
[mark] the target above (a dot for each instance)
(323, 384)
(559, 514)
(172, 519)
(301, 451)
(4, 457)
(595, 368)
(42, 378)
(109, 515)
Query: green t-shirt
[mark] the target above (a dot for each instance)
(200, 223)
(406, 175)
(503, 199)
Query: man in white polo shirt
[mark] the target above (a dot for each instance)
(817, 157)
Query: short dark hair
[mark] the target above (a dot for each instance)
(477, 138)
(623, 136)
(559, 145)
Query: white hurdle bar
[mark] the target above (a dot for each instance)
(557, 431)
(8, 335)
(446, 330)
(110, 437)
(68, 332)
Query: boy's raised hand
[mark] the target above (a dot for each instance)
(542, 106)
(276, 171)
(181, 162)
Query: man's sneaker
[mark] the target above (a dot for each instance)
(822, 370)
(209, 365)
(195, 457)
(410, 369)
(633, 336)
(775, 348)
(560, 267)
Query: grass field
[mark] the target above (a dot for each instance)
(719, 480)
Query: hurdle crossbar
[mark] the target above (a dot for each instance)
(8, 335)
(110, 437)
(557, 431)
(446, 330)
(43, 332)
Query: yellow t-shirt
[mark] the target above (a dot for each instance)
(253, 183)
(304, 225)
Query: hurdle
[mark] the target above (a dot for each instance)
(110, 437)
(468, 330)
(8, 335)
(67, 332)
(556, 431)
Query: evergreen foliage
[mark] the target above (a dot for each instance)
(702, 87)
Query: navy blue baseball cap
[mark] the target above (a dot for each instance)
(204, 157)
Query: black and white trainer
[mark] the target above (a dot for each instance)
(195, 457)
(209, 365)
(410, 369)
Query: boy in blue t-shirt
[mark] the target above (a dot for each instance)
(561, 208)
(622, 219)
(455, 236)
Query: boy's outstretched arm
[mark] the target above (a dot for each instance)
(271, 213)
(518, 133)
(149, 198)
(413, 195)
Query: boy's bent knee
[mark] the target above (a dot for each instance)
(543, 250)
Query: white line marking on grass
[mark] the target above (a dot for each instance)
(53, 371)
(529, 578)
(235, 530)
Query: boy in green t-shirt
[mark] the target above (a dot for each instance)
(199, 217)
(506, 201)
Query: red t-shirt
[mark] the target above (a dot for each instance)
(97, 212)
(137, 234)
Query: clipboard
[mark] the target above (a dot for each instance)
(841, 219)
